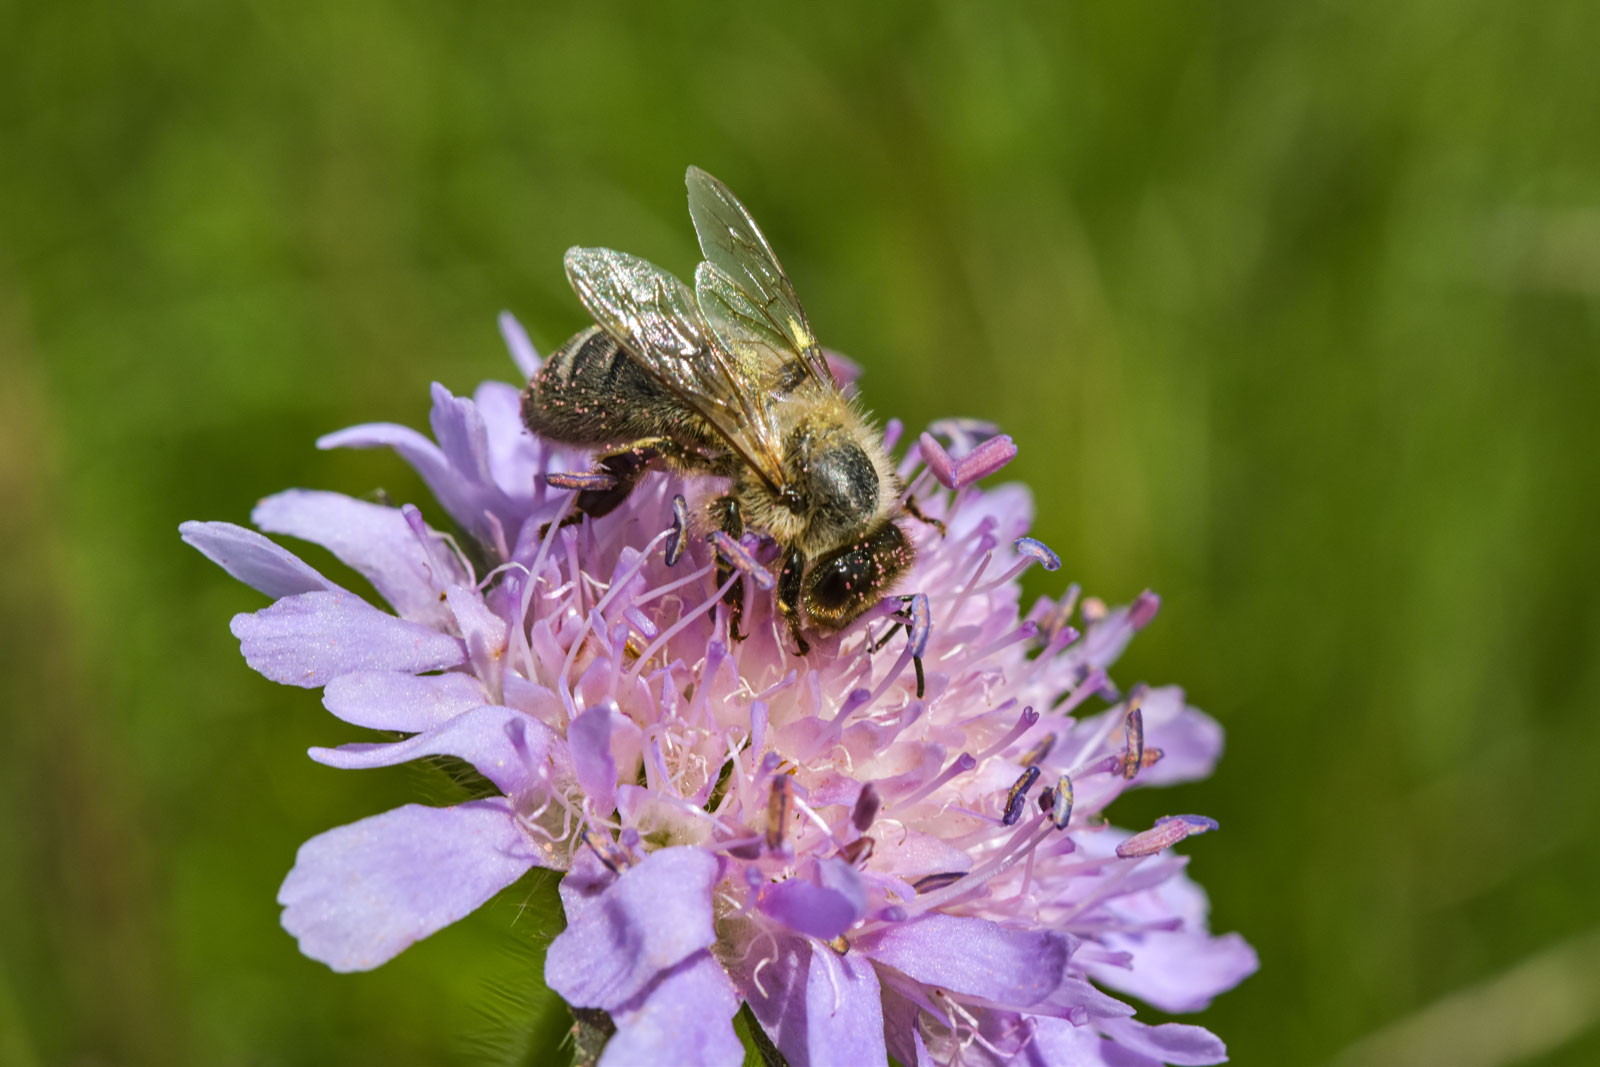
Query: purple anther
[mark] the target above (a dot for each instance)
(938, 460)
(595, 480)
(1030, 546)
(1197, 824)
(1167, 831)
(778, 807)
(749, 850)
(1133, 759)
(739, 556)
(857, 851)
(1037, 753)
(866, 808)
(1143, 610)
(1017, 797)
(984, 460)
(921, 624)
(754, 878)
(894, 913)
(937, 881)
(680, 530)
(1061, 803)
(963, 433)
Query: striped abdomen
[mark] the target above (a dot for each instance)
(591, 392)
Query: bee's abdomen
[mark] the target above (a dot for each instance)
(591, 392)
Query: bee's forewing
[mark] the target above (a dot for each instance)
(747, 298)
(656, 318)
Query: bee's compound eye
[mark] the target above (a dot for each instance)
(835, 582)
(846, 583)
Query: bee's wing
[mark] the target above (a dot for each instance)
(655, 318)
(744, 294)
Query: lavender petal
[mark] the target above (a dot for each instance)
(254, 559)
(651, 918)
(1174, 1043)
(810, 909)
(1057, 1041)
(1178, 970)
(778, 1000)
(360, 894)
(1190, 740)
(398, 700)
(312, 638)
(901, 1031)
(456, 493)
(686, 1018)
(523, 354)
(482, 631)
(975, 956)
(375, 541)
(506, 746)
(589, 739)
(1077, 1000)
(844, 1009)
(514, 454)
(460, 431)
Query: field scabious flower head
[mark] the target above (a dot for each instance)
(893, 845)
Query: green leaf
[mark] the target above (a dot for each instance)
(759, 1051)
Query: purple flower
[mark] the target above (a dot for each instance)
(891, 846)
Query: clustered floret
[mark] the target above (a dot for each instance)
(891, 846)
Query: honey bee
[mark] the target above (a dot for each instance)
(727, 380)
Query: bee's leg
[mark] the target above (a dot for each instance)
(916, 513)
(794, 569)
(621, 470)
(624, 465)
(729, 518)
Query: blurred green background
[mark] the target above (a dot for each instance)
(1291, 308)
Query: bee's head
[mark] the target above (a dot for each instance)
(847, 581)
